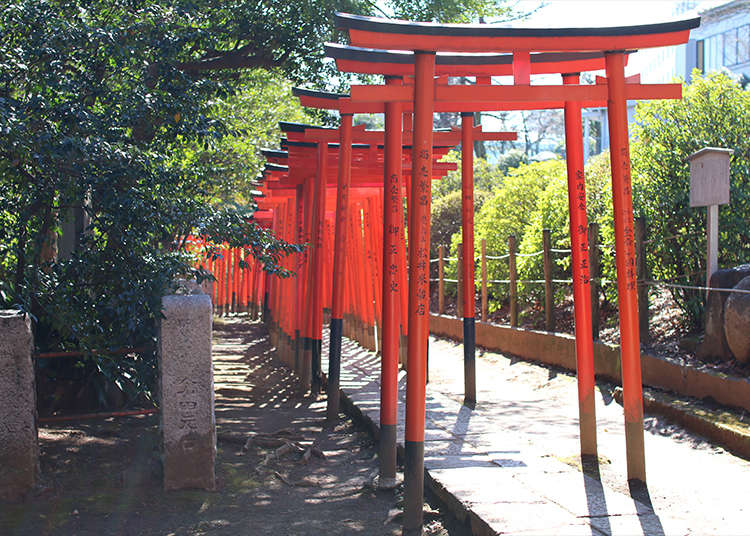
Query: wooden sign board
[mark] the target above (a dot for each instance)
(709, 177)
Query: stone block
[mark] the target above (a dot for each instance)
(188, 424)
(714, 344)
(19, 450)
(737, 322)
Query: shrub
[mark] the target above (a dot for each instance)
(508, 211)
(714, 112)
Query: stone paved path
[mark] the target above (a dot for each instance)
(284, 495)
(512, 467)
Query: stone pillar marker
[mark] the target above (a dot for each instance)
(19, 450)
(188, 424)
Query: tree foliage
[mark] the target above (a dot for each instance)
(134, 121)
(449, 10)
(714, 112)
(100, 115)
(509, 212)
(446, 199)
(552, 213)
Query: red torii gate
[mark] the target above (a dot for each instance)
(303, 156)
(425, 39)
(393, 232)
(363, 60)
(482, 67)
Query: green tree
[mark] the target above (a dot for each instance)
(100, 108)
(446, 199)
(252, 115)
(714, 112)
(552, 213)
(448, 10)
(511, 159)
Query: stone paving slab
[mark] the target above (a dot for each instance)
(511, 465)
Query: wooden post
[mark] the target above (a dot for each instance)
(512, 276)
(641, 275)
(441, 279)
(709, 187)
(460, 284)
(484, 280)
(594, 271)
(549, 322)
(712, 242)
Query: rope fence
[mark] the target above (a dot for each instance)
(593, 259)
(693, 287)
(600, 281)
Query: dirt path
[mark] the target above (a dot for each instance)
(103, 477)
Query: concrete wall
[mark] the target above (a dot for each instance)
(559, 349)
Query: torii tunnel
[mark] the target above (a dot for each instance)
(342, 190)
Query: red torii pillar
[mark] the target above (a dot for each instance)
(580, 273)
(317, 273)
(300, 280)
(337, 303)
(393, 222)
(622, 201)
(305, 297)
(419, 291)
(467, 241)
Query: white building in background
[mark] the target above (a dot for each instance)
(721, 42)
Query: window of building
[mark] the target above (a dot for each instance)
(743, 44)
(726, 49)
(730, 47)
(714, 56)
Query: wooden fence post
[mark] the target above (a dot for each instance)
(484, 280)
(549, 321)
(460, 283)
(441, 280)
(513, 276)
(594, 276)
(641, 276)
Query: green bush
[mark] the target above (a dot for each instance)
(446, 201)
(714, 112)
(101, 113)
(508, 212)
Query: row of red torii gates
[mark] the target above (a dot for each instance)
(342, 191)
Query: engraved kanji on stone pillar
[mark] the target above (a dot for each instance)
(188, 425)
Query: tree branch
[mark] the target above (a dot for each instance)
(245, 57)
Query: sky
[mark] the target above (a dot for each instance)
(582, 13)
(577, 13)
